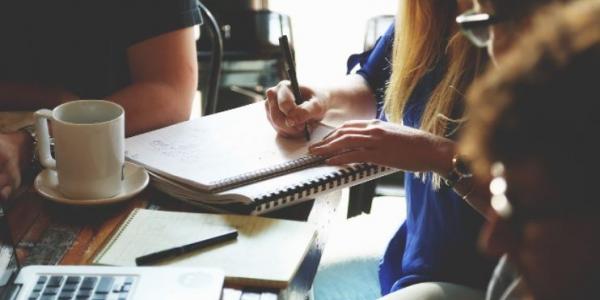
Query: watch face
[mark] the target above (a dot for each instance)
(461, 166)
(451, 179)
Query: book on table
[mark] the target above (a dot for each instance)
(266, 253)
(235, 161)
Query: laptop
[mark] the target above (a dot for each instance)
(38, 282)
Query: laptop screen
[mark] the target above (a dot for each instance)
(8, 260)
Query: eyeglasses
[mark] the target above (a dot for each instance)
(498, 186)
(476, 26)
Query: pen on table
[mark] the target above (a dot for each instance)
(291, 70)
(176, 251)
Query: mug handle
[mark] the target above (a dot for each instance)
(41, 131)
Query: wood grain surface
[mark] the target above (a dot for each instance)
(48, 233)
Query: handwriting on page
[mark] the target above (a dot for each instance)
(184, 152)
(218, 147)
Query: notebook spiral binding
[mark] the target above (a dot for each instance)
(302, 190)
(266, 173)
(280, 197)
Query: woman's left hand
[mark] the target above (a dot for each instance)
(387, 144)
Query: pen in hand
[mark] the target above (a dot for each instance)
(176, 251)
(291, 70)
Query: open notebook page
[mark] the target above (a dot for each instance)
(204, 152)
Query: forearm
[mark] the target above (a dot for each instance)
(29, 96)
(474, 193)
(151, 105)
(349, 98)
(164, 72)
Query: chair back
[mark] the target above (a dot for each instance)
(376, 27)
(216, 60)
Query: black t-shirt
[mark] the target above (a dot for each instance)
(81, 44)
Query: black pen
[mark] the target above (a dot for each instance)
(176, 251)
(291, 70)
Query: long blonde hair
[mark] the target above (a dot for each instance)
(426, 35)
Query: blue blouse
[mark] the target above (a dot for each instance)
(438, 240)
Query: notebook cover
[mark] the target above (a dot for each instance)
(267, 252)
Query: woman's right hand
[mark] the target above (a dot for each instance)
(288, 118)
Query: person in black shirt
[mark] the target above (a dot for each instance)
(138, 53)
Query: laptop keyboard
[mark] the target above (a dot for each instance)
(74, 287)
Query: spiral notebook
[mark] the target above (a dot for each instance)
(235, 161)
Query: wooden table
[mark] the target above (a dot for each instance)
(49, 233)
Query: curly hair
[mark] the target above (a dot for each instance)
(543, 103)
(517, 9)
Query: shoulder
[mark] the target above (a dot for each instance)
(156, 17)
(389, 34)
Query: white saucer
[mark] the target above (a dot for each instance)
(136, 179)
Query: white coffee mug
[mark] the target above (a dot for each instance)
(89, 146)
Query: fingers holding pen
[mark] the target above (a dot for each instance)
(277, 116)
(285, 97)
(285, 115)
(307, 112)
(278, 120)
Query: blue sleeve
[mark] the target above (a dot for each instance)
(375, 65)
